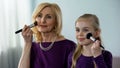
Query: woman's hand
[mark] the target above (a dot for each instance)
(25, 57)
(96, 49)
(27, 34)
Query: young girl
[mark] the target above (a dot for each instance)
(89, 54)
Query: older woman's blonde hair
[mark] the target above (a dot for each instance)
(58, 17)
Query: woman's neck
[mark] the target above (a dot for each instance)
(48, 37)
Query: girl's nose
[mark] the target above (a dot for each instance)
(81, 33)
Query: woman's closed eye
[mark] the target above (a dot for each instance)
(48, 16)
(39, 15)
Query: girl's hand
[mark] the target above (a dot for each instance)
(96, 49)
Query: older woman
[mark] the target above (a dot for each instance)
(50, 49)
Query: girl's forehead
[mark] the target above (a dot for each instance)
(83, 23)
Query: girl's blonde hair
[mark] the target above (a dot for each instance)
(95, 23)
(58, 17)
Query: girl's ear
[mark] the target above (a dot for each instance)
(97, 33)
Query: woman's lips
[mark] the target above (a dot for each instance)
(42, 26)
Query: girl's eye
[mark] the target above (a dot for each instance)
(85, 30)
(77, 30)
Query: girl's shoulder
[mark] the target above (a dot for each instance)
(106, 53)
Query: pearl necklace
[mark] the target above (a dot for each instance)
(49, 47)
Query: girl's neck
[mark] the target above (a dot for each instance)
(86, 51)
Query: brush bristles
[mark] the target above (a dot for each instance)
(89, 35)
(35, 23)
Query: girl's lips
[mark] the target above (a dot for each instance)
(81, 39)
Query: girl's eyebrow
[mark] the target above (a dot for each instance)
(83, 27)
(87, 27)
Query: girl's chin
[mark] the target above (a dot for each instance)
(81, 43)
(84, 43)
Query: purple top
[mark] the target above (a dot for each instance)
(56, 57)
(102, 61)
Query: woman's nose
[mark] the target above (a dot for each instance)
(43, 20)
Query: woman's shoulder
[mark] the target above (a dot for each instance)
(64, 40)
(35, 45)
(69, 41)
(66, 43)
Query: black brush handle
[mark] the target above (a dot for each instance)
(18, 31)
